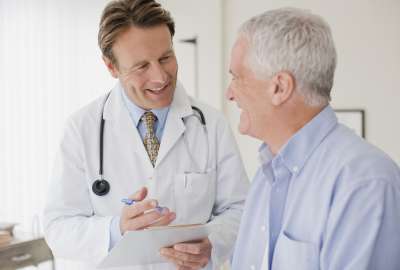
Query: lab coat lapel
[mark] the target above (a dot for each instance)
(174, 126)
(116, 115)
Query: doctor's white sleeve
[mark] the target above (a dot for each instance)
(71, 230)
(232, 187)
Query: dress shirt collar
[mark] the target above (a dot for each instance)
(303, 143)
(136, 112)
(264, 154)
(300, 146)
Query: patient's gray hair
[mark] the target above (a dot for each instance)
(297, 41)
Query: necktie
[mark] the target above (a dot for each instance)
(150, 140)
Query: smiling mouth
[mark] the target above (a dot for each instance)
(158, 91)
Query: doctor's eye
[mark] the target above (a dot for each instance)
(142, 67)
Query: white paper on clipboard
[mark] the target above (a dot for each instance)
(143, 247)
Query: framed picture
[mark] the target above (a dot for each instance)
(352, 118)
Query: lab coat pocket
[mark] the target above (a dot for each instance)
(293, 254)
(194, 197)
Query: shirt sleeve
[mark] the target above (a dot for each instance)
(362, 228)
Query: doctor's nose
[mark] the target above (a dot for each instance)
(158, 74)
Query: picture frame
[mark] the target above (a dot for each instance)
(352, 118)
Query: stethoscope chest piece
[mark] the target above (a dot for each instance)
(101, 187)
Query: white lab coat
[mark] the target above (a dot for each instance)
(77, 222)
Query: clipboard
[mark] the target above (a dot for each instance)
(143, 247)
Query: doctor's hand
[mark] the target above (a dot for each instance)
(189, 255)
(144, 213)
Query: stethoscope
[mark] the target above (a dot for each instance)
(101, 186)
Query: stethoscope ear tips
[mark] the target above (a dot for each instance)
(101, 187)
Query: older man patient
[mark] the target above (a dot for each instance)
(323, 198)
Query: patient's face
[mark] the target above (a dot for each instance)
(251, 94)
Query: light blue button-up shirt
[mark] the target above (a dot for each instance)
(136, 114)
(327, 200)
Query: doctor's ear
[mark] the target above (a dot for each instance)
(112, 67)
(284, 86)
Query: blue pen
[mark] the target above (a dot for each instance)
(130, 202)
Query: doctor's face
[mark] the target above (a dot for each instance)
(251, 94)
(145, 65)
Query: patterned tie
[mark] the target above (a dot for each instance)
(150, 140)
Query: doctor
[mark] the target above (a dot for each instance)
(148, 141)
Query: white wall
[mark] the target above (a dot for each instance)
(367, 37)
(204, 20)
(49, 67)
(45, 49)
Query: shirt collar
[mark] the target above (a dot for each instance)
(136, 112)
(264, 154)
(301, 145)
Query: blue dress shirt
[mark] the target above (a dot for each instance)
(136, 114)
(326, 200)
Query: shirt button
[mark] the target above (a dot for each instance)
(295, 169)
(263, 228)
(252, 267)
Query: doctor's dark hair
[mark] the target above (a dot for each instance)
(119, 15)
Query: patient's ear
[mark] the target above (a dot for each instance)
(112, 68)
(285, 85)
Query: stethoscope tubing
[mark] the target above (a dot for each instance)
(101, 186)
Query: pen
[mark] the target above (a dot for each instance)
(130, 202)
